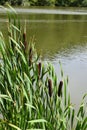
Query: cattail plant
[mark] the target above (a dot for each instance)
(24, 41)
(30, 56)
(16, 105)
(39, 69)
(60, 88)
(50, 87)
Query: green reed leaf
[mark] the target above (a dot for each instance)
(84, 124)
(16, 28)
(37, 121)
(72, 117)
(13, 41)
(11, 9)
(29, 105)
(35, 129)
(21, 54)
(13, 126)
(3, 96)
(65, 93)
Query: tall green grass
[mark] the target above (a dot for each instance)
(31, 95)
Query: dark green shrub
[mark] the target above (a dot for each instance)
(84, 3)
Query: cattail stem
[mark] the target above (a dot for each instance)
(24, 41)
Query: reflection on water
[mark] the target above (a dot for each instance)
(64, 11)
(59, 37)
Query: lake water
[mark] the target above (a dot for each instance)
(61, 35)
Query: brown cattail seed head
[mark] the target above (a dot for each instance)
(60, 88)
(24, 41)
(24, 37)
(39, 69)
(30, 56)
(50, 87)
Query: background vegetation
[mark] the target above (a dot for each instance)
(46, 2)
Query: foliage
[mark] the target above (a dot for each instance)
(16, 2)
(16, 81)
(62, 2)
(2, 2)
(31, 95)
(46, 2)
(84, 3)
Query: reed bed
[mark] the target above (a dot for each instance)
(31, 95)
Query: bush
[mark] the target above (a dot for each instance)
(84, 3)
(44, 2)
(2, 2)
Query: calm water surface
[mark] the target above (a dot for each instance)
(61, 35)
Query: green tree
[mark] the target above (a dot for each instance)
(2, 2)
(12, 2)
(32, 2)
(46, 2)
(19, 2)
(16, 2)
(62, 2)
(76, 2)
(84, 3)
(43, 3)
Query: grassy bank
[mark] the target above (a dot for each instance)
(31, 95)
